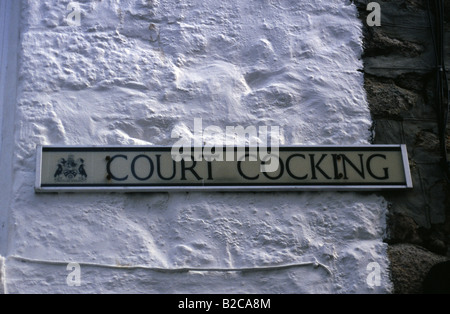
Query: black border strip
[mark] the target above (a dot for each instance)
(224, 185)
(168, 149)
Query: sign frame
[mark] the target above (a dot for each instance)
(42, 188)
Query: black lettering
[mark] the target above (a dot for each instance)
(346, 160)
(133, 167)
(239, 166)
(108, 168)
(210, 177)
(369, 167)
(279, 175)
(158, 169)
(288, 167)
(336, 157)
(315, 166)
(191, 169)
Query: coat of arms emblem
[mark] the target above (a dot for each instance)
(70, 170)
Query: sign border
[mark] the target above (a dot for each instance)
(39, 188)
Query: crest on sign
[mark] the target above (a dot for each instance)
(70, 170)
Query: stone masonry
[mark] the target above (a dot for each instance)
(399, 81)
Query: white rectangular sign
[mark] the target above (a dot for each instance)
(155, 169)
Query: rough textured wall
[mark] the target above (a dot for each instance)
(399, 67)
(133, 72)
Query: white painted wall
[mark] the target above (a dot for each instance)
(136, 70)
(9, 41)
(3, 52)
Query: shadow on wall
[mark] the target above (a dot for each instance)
(437, 280)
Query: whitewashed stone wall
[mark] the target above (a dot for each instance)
(132, 72)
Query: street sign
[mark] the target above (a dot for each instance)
(163, 169)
